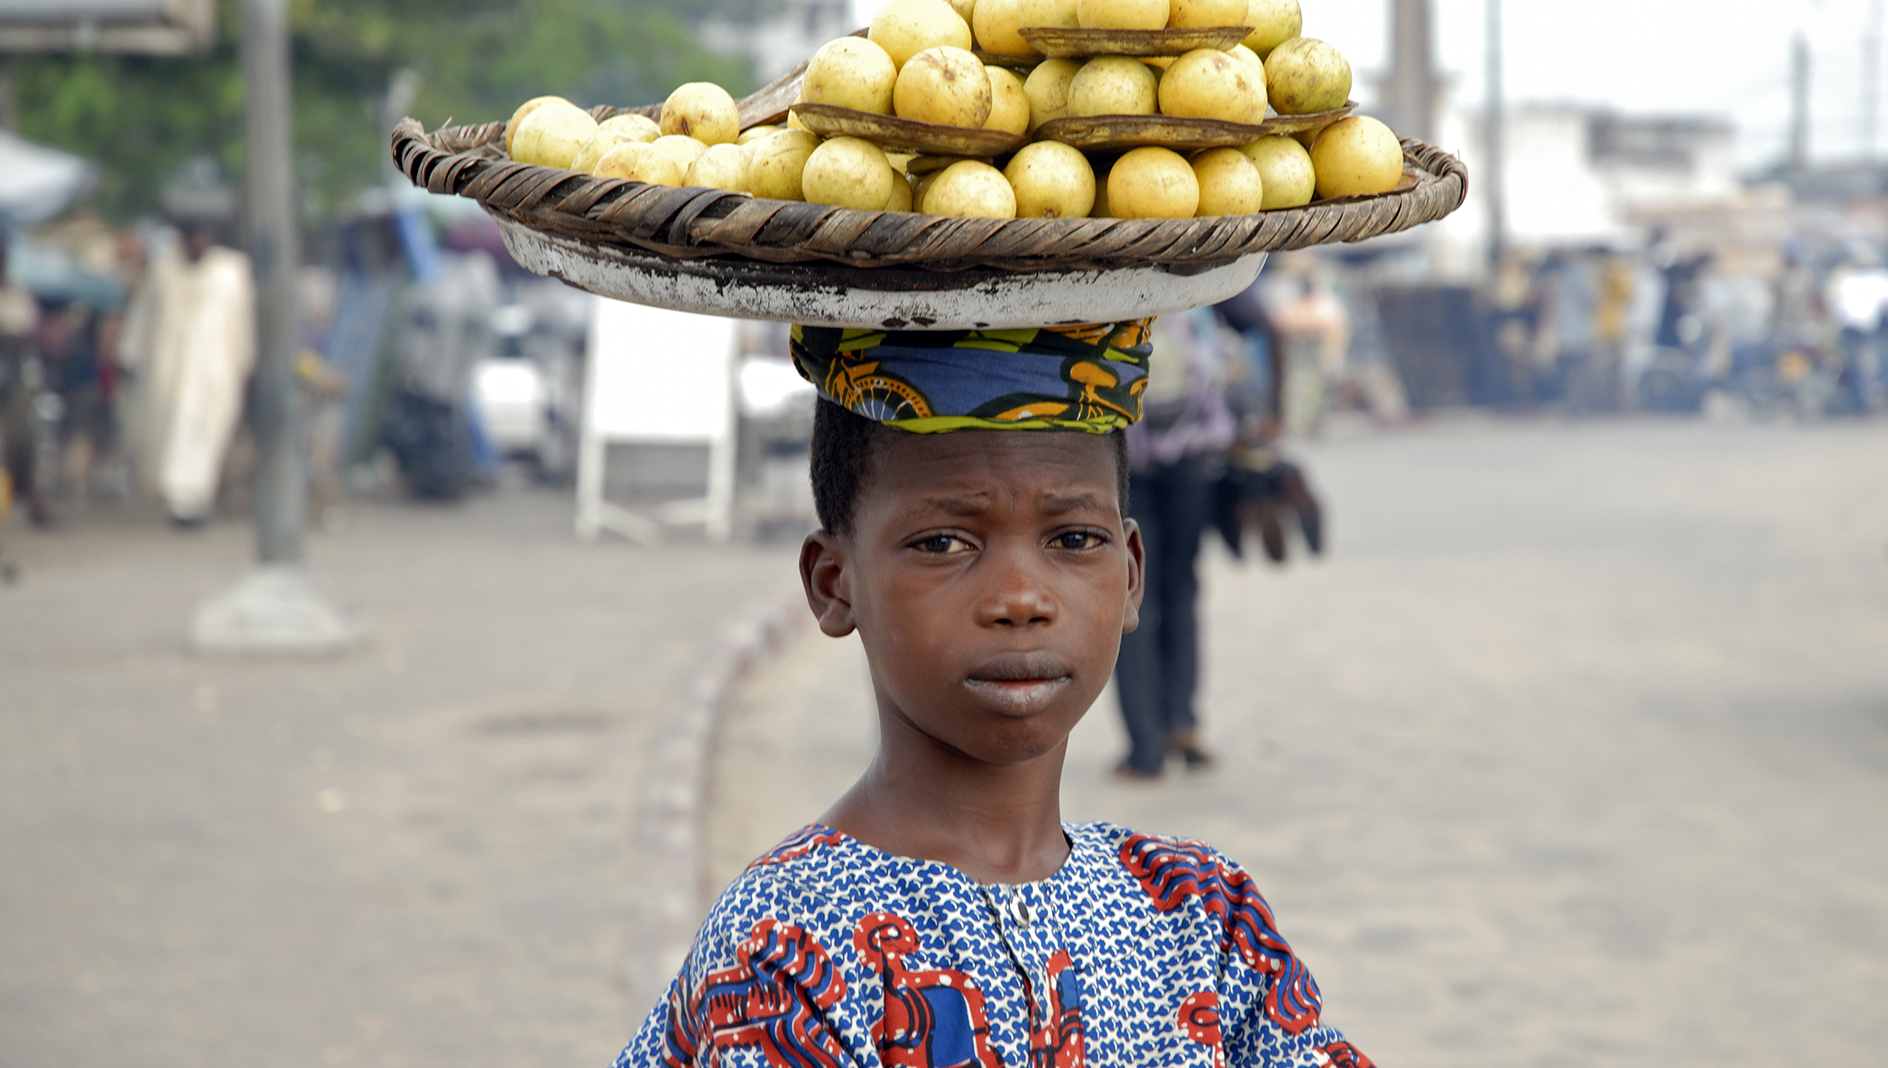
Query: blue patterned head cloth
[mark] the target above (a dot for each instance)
(931, 381)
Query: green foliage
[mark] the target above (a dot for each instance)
(139, 117)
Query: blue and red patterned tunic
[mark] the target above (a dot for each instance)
(1140, 952)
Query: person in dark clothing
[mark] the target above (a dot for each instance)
(1195, 408)
(21, 380)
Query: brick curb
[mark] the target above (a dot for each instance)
(669, 888)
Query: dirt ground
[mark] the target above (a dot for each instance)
(418, 854)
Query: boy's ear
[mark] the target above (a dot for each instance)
(1137, 574)
(828, 584)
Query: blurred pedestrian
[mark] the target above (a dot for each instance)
(190, 338)
(1314, 329)
(67, 340)
(20, 383)
(1191, 416)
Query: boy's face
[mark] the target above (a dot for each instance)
(990, 575)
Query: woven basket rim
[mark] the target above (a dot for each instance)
(691, 223)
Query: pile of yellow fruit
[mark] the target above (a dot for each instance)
(923, 61)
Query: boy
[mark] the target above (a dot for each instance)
(941, 913)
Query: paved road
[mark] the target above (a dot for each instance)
(1575, 751)
(416, 855)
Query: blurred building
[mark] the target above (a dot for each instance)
(160, 27)
(1576, 176)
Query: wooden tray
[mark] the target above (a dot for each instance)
(1064, 43)
(1105, 132)
(890, 131)
(1021, 64)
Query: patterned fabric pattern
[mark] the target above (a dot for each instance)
(931, 381)
(1139, 952)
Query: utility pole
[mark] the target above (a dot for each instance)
(1412, 81)
(1799, 104)
(1494, 120)
(277, 607)
(270, 226)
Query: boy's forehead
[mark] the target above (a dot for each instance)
(970, 463)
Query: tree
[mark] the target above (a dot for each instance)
(142, 117)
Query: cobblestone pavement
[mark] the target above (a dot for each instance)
(1573, 752)
(418, 854)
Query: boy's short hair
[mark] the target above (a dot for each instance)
(842, 449)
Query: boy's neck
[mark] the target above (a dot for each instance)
(996, 824)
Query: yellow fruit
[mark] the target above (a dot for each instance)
(1273, 23)
(1209, 84)
(640, 162)
(704, 111)
(848, 172)
(971, 188)
(683, 148)
(755, 133)
(904, 28)
(1229, 183)
(943, 85)
(964, 8)
(850, 73)
(794, 123)
(526, 108)
(900, 199)
(996, 23)
(1047, 88)
(1113, 85)
(1051, 180)
(721, 167)
(1246, 55)
(922, 187)
(1305, 75)
(552, 134)
(1009, 105)
(1153, 183)
(1207, 13)
(599, 146)
(1356, 157)
(1123, 14)
(1285, 170)
(1058, 14)
(775, 164)
(639, 127)
(1159, 63)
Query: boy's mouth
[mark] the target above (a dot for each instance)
(1020, 684)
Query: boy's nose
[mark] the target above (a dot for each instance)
(1017, 597)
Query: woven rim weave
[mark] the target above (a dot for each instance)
(692, 223)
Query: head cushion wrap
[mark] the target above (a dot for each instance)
(930, 381)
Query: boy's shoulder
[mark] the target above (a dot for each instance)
(1138, 851)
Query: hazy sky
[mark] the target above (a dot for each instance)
(1729, 57)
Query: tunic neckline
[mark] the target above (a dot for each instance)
(1080, 844)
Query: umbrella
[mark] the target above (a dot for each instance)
(38, 183)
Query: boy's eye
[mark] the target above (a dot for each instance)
(1077, 539)
(940, 543)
